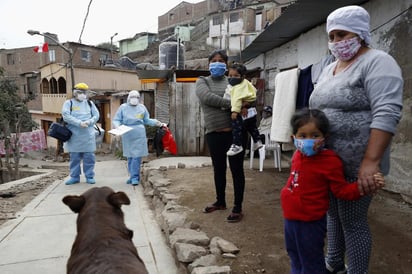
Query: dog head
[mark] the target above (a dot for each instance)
(100, 202)
(102, 234)
(96, 195)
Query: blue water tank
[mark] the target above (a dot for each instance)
(171, 55)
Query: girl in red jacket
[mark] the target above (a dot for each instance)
(314, 172)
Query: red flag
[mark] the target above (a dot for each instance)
(42, 48)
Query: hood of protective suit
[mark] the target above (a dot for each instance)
(133, 94)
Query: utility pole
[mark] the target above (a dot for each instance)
(111, 45)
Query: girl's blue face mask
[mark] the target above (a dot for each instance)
(217, 69)
(309, 147)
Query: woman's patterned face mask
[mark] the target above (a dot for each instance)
(346, 49)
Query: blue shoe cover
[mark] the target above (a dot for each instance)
(72, 181)
(90, 181)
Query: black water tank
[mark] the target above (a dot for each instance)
(168, 55)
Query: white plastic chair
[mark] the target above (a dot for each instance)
(268, 146)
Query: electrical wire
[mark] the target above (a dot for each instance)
(54, 72)
(84, 22)
(393, 18)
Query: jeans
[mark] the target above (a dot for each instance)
(89, 161)
(219, 143)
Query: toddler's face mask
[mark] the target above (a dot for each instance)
(233, 81)
(309, 147)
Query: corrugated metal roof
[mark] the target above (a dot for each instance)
(296, 19)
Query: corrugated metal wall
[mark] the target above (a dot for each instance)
(162, 105)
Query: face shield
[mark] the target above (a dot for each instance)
(80, 95)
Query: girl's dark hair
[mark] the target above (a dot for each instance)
(220, 52)
(240, 68)
(305, 115)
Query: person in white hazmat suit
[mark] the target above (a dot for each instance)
(81, 115)
(134, 142)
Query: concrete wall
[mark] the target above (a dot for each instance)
(98, 79)
(393, 36)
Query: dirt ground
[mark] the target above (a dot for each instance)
(13, 199)
(260, 234)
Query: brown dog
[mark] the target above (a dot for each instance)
(103, 243)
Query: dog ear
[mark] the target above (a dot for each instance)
(118, 198)
(130, 233)
(75, 203)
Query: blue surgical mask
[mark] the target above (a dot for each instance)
(217, 69)
(309, 147)
(233, 81)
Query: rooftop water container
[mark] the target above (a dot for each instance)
(171, 54)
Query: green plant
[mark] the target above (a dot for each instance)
(14, 119)
(150, 131)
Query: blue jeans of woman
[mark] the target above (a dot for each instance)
(89, 160)
(219, 143)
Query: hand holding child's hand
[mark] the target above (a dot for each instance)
(244, 112)
(379, 181)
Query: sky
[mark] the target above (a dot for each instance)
(66, 18)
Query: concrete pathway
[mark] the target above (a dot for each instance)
(40, 239)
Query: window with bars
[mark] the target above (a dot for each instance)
(234, 17)
(217, 20)
(10, 59)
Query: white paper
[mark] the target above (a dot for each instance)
(251, 112)
(120, 130)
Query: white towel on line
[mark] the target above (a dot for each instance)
(284, 105)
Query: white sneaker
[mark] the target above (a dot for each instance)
(234, 149)
(257, 145)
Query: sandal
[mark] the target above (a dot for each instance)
(211, 208)
(234, 217)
